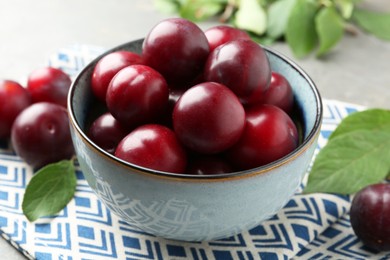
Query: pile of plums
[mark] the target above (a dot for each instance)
(35, 117)
(194, 102)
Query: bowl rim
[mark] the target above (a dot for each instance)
(303, 146)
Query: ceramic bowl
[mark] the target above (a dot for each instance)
(187, 207)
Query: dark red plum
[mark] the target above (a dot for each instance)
(13, 99)
(106, 132)
(177, 48)
(106, 68)
(370, 216)
(155, 147)
(280, 93)
(242, 66)
(220, 34)
(41, 135)
(208, 118)
(137, 95)
(269, 135)
(49, 85)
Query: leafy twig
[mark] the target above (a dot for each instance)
(306, 25)
(228, 11)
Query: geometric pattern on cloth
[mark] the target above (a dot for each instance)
(314, 226)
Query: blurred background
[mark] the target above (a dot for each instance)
(357, 70)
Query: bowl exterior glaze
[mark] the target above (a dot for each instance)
(199, 207)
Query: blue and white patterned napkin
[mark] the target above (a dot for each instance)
(309, 227)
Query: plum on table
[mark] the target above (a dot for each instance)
(370, 216)
(40, 134)
(13, 99)
(49, 84)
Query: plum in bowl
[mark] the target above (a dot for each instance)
(194, 207)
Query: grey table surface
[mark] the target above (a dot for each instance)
(356, 71)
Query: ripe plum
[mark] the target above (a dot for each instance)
(106, 132)
(242, 66)
(208, 118)
(177, 48)
(269, 134)
(280, 93)
(13, 99)
(220, 34)
(49, 85)
(106, 68)
(41, 135)
(136, 95)
(153, 146)
(370, 216)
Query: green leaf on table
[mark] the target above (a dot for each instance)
(199, 10)
(301, 33)
(278, 14)
(167, 6)
(330, 29)
(251, 16)
(371, 119)
(49, 190)
(346, 8)
(350, 162)
(373, 22)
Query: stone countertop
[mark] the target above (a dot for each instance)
(356, 71)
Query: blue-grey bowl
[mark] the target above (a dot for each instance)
(187, 207)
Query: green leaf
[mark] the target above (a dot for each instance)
(263, 40)
(278, 14)
(266, 2)
(373, 22)
(350, 162)
(49, 190)
(371, 119)
(199, 10)
(345, 7)
(251, 17)
(330, 29)
(301, 33)
(167, 6)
